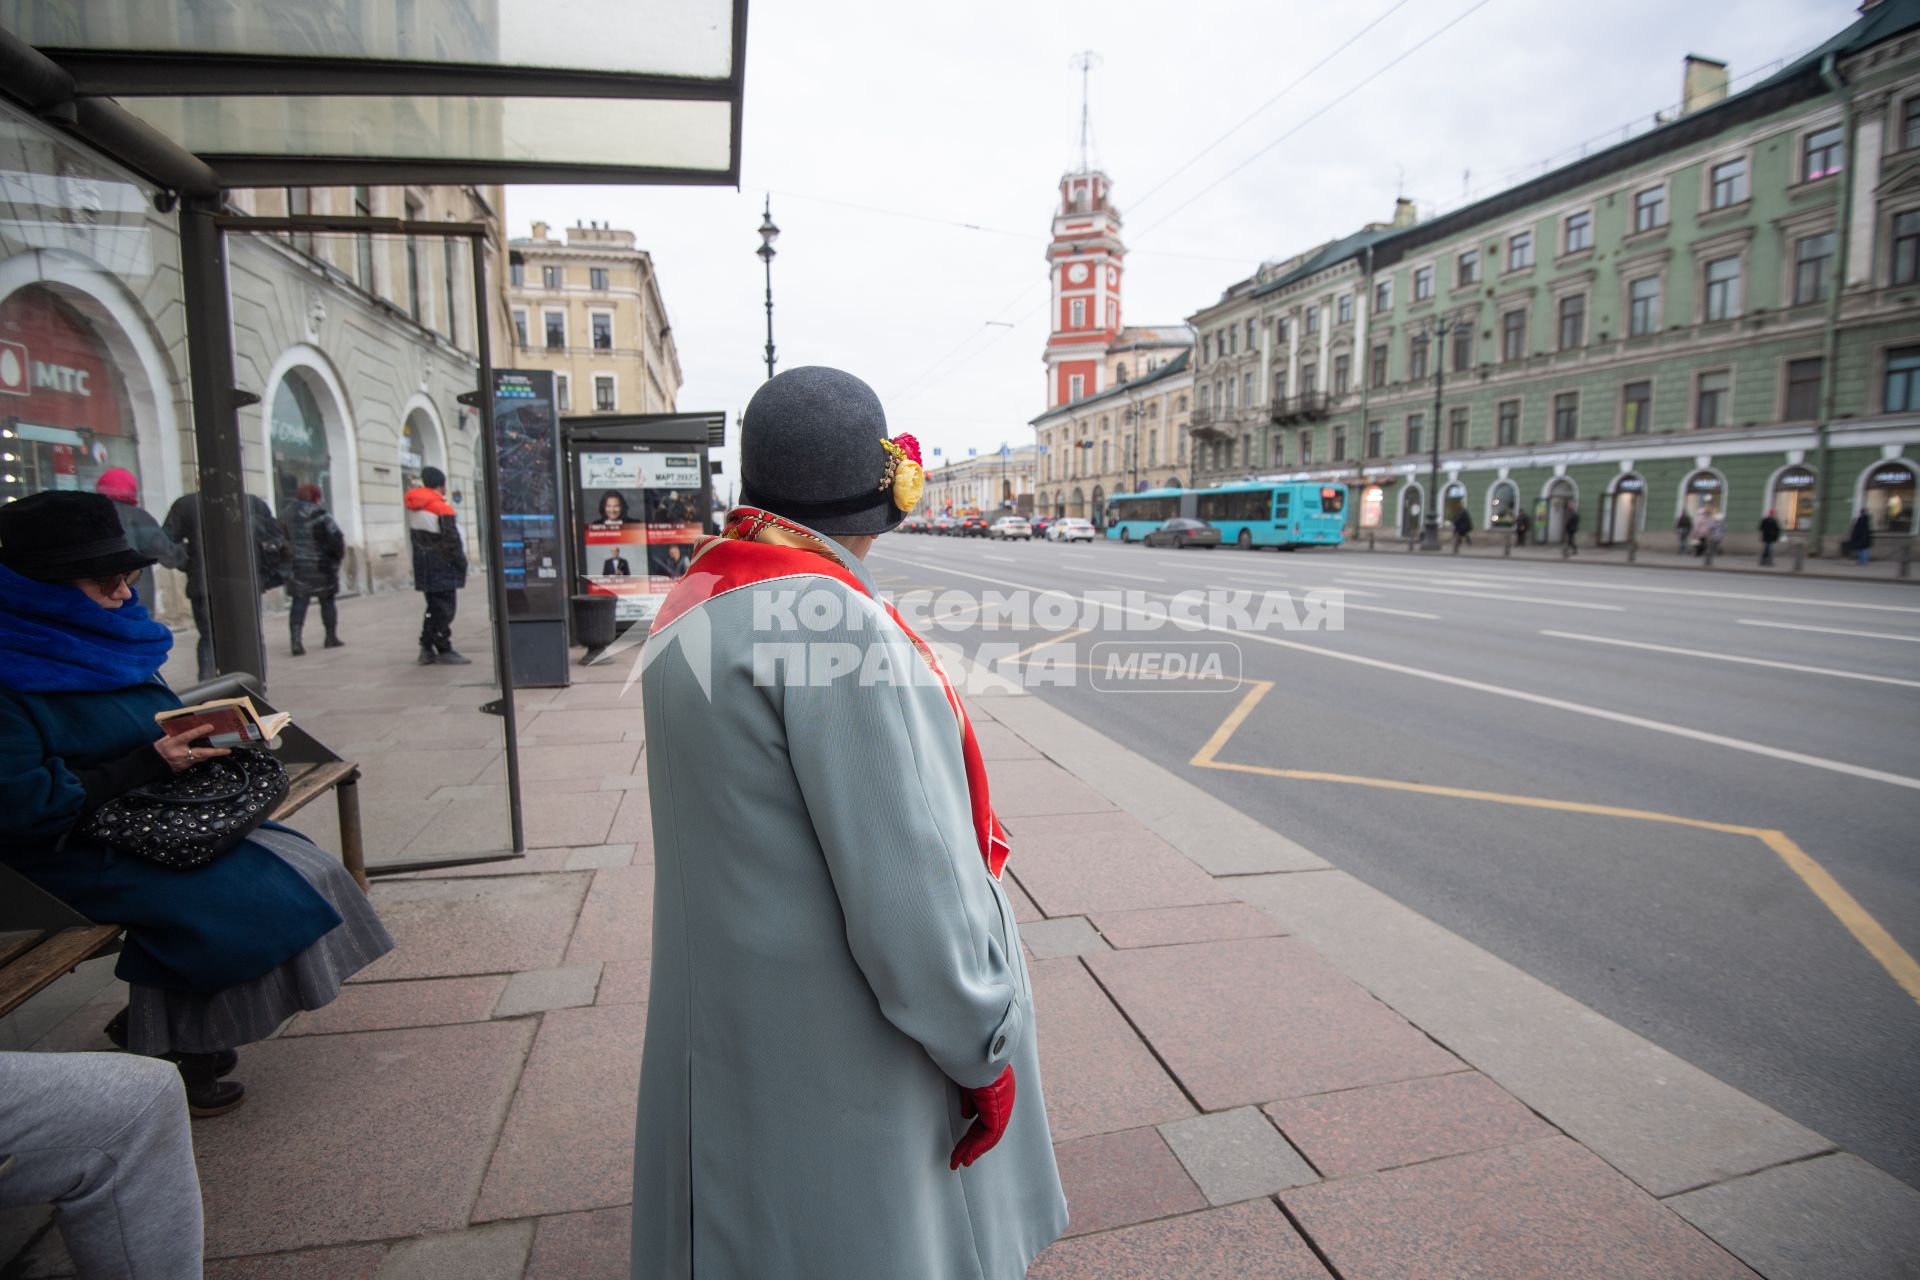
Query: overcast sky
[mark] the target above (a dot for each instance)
(928, 116)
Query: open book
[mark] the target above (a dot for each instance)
(236, 722)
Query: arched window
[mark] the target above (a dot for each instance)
(1412, 505)
(1503, 504)
(299, 438)
(1887, 494)
(1793, 499)
(1625, 511)
(1704, 493)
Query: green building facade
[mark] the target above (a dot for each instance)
(1645, 332)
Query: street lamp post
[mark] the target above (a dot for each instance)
(1438, 331)
(768, 234)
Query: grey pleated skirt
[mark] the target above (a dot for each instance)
(163, 1021)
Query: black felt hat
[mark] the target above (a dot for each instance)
(810, 450)
(61, 535)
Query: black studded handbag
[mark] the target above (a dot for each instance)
(195, 816)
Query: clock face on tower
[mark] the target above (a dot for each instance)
(1113, 277)
(1077, 273)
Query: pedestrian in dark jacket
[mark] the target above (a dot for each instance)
(1769, 534)
(1860, 541)
(1683, 531)
(144, 533)
(270, 557)
(1522, 526)
(1462, 528)
(1571, 529)
(318, 549)
(439, 565)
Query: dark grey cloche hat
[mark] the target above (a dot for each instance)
(810, 450)
(61, 534)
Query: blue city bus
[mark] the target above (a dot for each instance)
(1274, 514)
(1132, 516)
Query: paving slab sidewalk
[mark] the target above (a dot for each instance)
(1256, 1066)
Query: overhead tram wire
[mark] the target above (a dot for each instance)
(1297, 81)
(1379, 71)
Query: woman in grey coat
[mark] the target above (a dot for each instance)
(841, 1078)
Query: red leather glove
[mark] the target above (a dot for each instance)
(991, 1109)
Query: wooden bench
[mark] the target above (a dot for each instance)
(53, 940)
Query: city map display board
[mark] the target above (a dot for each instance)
(527, 431)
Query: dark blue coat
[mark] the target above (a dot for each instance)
(226, 923)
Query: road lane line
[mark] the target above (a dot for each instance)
(1734, 657)
(1492, 595)
(1674, 591)
(1830, 631)
(1519, 695)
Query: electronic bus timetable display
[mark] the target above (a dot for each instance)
(526, 433)
(641, 508)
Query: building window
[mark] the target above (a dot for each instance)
(1636, 408)
(1228, 402)
(551, 277)
(563, 392)
(1579, 231)
(1376, 437)
(1509, 422)
(1513, 335)
(602, 331)
(1573, 321)
(1728, 184)
(1520, 251)
(1910, 124)
(1342, 373)
(1339, 445)
(555, 323)
(1803, 389)
(597, 277)
(1285, 328)
(1457, 428)
(1566, 415)
(1417, 356)
(1422, 284)
(1313, 319)
(1383, 295)
(1206, 349)
(520, 326)
(1906, 246)
(1344, 307)
(1309, 380)
(1463, 351)
(363, 243)
(603, 401)
(1079, 314)
(1416, 424)
(1643, 306)
(1377, 370)
(1306, 448)
(416, 268)
(1902, 387)
(1076, 386)
(1279, 450)
(1812, 268)
(1469, 272)
(517, 273)
(1711, 399)
(1650, 209)
(1821, 153)
(1280, 387)
(450, 274)
(1246, 390)
(1233, 340)
(1723, 288)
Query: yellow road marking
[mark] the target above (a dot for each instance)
(1055, 639)
(1866, 930)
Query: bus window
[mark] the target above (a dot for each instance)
(1282, 503)
(1333, 500)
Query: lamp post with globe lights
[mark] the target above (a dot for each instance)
(768, 234)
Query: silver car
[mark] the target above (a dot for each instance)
(1070, 529)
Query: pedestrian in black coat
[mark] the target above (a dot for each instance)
(1522, 526)
(1462, 528)
(318, 549)
(1570, 530)
(270, 559)
(144, 533)
(1860, 541)
(1683, 527)
(1769, 534)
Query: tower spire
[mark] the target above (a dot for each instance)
(1084, 62)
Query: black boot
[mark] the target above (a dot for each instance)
(427, 656)
(299, 650)
(207, 1094)
(333, 641)
(224, 1061)
(454, 658)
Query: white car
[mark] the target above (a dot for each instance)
(1010, 527)
(1070, 529)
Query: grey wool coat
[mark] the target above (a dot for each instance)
(830, 958)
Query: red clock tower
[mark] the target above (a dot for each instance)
(1085, 261)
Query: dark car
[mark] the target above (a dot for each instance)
(914, 524)
(1181, 532)
(1039, 525)
(945, 525)
(973, 527)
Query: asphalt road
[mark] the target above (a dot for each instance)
(1444, 675)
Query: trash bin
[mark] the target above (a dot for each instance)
(593, 625)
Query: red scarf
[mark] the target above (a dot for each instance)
(760, 547)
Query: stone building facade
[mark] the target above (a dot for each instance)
(1129, 437)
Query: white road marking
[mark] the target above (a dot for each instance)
(1537, 699)
(995, 555)
(1494, 595)
(1667, 591)
(1831, 631)
(1734, 657)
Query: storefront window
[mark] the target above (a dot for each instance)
(65, 416)
(1410, 508)
(1456, 496)
(1889, 497)
(1705, 494)
(1372, 499)
(1624, 506)
(299, 437)
(1503, 504)
(1793, 497)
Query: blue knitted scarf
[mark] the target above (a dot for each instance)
(53, 639)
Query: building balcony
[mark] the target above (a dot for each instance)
(1309, 406)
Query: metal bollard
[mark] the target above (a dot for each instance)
(1633, 550)
(1906, 556)
(1369, 542)
(1710, 550)
(1800, 557)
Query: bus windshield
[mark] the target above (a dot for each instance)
(1333, 500)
